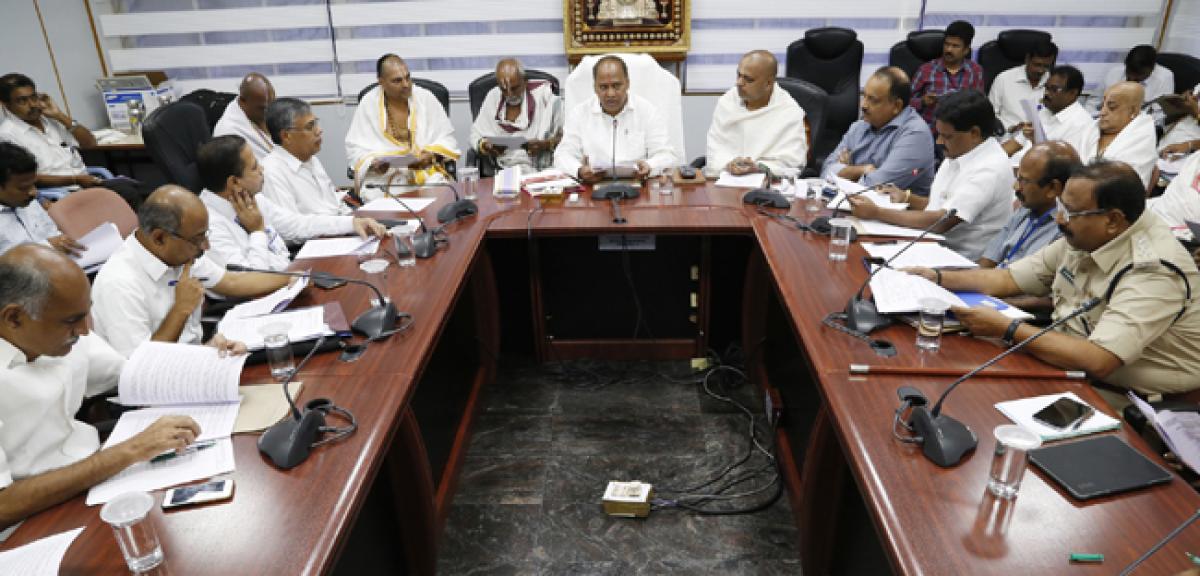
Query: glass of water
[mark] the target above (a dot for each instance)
(278, 348)
(131, 517)
(406, 255)
(839, 238)
(468, 178)
(1011, 457)
(930, 323)
(812, 195)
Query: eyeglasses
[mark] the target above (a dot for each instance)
(1054, 89)
(197, 241)
(310, 127)
(1067, 215)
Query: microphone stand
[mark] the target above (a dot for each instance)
(615, 190)
(288, 442)
(945, 440)
(1166, 540)
(766, 196)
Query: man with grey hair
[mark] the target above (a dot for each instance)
(246, 115)
(518, 107)
(48, 364)
(297, 195)
(152, 287)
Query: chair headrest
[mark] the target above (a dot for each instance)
(926, 44)
(829, 42)
(1015, 44)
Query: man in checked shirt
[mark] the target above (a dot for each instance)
(952, 72)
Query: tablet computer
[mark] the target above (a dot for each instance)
(1098, 466)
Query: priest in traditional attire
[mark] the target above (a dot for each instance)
(757, 123)
(517, 107)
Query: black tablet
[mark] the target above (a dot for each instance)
(1098, 466)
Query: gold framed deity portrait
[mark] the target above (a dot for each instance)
(661, 28)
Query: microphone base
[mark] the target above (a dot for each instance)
(945, 440)
(376, 322)
(288, 443)
(456, 210)
(861, 315)
(766, 197)
(607, 191)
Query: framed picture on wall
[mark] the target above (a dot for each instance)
(661, 28)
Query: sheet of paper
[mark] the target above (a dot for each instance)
(896, 292)
(302, 324)
(101, 242)
(1031, 115)
(415, 204)
(1021, 412)
(848, 187)
(262, 406)
(745, 181)
(1180, 431)
(927, 254)
(877, 228)
(508, 181)
(276, 301)
(148, 476)
(42, 557)
(215, 420)
(507, 141)
(396, 160)
(329, 247)
(161, 373)
(622, 169)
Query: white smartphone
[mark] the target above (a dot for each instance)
(210, 491)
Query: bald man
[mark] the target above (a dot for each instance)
(48, 364)
(153, 286)
(1122, 132)
(757, 123)
(247, 115)
(522, 108)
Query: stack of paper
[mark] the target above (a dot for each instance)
(746, 181)
(897, 292)
(276, 301)
(537, 183)
(507, 141)
(925, 254)
(1021, 412)
(100, 243)
(302, 325)
(507, 182)
(413, 204)
(1180, 431)
(849, 188)
(328, 247)
(41, 557)
(877, 228)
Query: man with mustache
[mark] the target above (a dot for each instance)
(1041, 177)
(953, 72)
(1145, 334)
(21, 218)
(1016, 85)
(48, 364)
(757, 122)
(518, 107)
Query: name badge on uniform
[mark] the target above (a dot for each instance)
(1067, 275)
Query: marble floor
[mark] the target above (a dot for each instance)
(548, 439)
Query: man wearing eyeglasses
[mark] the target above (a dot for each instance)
(1145, 334)
(153, 286)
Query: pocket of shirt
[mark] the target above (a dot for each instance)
(634, 145)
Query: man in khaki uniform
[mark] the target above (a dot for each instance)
(1146, 336)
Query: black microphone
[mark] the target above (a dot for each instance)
(456, 210)
(425, 244)
(861, 315)
(765, 196)
(615, 190)
(288, 442)
(945, 440)
(820, 224)
(376, 322)
(1166, 540)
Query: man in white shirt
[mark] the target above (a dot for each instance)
(613, 115)
(976, 180)
(1122, 132)
(1063, 117)
(756, 122)
(21, 218)
(1180, 203)
(246, 116)
(152, 287)
(1015, 85)
(297, 195)
(48, 364)
(238, 232)
(1141, 67)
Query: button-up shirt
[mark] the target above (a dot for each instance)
(134, 291)
(933, 78)
(25, 224)
(979, 185)
(1160, 82)
(229, 243)
(1068, 124)
(302, 201)
(1009, 89)
(1024, 234)
(901, 151)
(56, 150)
(1160, 354)
(638, 129)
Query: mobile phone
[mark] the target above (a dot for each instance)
(210, 491)
(1064, 413)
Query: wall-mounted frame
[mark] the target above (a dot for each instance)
(661, 28)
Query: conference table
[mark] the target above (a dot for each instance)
(414, 395)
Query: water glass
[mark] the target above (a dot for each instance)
(130, 516)
(666, 186)
(278, 348)
(1013, 444)
(468, 177)
(812, 196)
(930, 323)
(406, 255)
(376, 269)
(839, 238)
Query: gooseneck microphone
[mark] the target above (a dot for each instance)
(1166, 540)
(458, 209)
(945, 440)
(425, 244)
(376, 322)
(615, 190)
(288, 442)
(861, 315)
(765, 196)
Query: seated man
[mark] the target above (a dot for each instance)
(1016, 85)
(1063, 117)
(22, 219)
(1043, 173)
(48, 364)
(975, 179)
(1182, 132)
(397, 118)
(246, 116)
(237, 230)
(613, 115)
(517, 107)
(757, 122)
(37, 124)
(1122, 132)
(1145, 334)
(152, 287)
(1141, 67)
(891, 144)
(298, 197)
(953, 72)
(1180, 203)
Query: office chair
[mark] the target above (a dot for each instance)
(439, 91)
(83, 211)
(1008, 50)
(1186, 69)
(830, 58)
(213, 104)
(476, 92)
(920, 47)
(813, 99)
(173, 134)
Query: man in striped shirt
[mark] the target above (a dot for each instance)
(950, 73)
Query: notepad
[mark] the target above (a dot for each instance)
(877, 228)
(850, 188)
(100, 243)
(745, 181)
(926, 254)
(1021, 412)
(42, 557)
(302, 325)
(411, 204)
(329, 247)
(276, 301)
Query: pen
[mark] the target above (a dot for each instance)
(1195, 559)
(1079, 557)
(190, 449)
(174, 282)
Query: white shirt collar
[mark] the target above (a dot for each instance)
(215, 202)
(10, 355)
(149, 263)
(976, 153)
(293, 163)
(630, 97)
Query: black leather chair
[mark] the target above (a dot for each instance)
(1008, 50)
(173, 134)
(476, 92)
(814, 100)
(1185, 68)
(831, 58)
(439, 91)
(920, 47)
(213, 104)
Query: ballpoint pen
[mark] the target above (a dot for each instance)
(189, 449)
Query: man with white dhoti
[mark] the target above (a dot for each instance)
(757, 122)
(399, 119)
(518, 108)
(246, 115)
(1122, 132)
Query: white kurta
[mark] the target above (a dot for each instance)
(1134, 145)
(431, 131)
(545, 122)
(229, 243)
(638, 130)
(234, 121)
(772, 135)
(1181, 201)
(1068, 124)
(979, 185)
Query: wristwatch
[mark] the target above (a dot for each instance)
(1011, 333)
